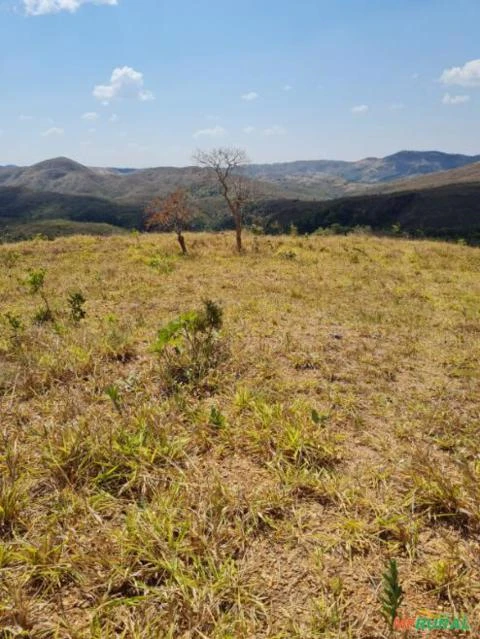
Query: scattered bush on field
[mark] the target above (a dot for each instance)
(36, 284)
(189, 346)
(76, 302)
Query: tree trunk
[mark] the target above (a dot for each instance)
(181, 241)
(238, 231)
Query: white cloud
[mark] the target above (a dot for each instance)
(466, 76)
(360, 108)
(146, 96)
(249, 129)
(91, 116)
(287, 87)
(53, 131)
(249, 97)
(415, 76)
(275, 130)
(397, 106)
(455, 99)
(125, 82)
(92, 130)
(25, 118)
(113, 117)
(215, 132)
(42, 7)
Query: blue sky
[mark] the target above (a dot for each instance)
(146, 82)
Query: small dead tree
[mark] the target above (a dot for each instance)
(226, 166)
(172, 213)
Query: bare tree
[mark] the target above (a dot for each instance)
(226, 165)
(172, 213)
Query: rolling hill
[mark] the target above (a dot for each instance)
(24, 213)
(62, 175)
(450, 211)
(469, 174)
(309, 179)
(63, 189)
(18, 204)
(369, 170)
(330, 179)
(443, 203)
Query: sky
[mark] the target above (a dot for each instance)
(139, 83)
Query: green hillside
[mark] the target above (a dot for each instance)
(18, 204)
(447, 212)
(22, 210)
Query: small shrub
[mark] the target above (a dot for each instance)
(114, 393)
(216, 418)
(333, 229)
(16, 327)
(43, 315)
(163, 265)
(189, 345)
(361, 230)
(392, 593)
(118, 342)
(257, 229)
(36, 284)
(76, 302)
(36, 281)
(319, 418)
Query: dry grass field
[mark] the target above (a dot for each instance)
(337, 428)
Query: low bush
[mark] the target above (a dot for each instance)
(190, 346)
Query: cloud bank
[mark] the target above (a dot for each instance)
(455, 99)
(215, 132)
(42, 7)
(53, 131)
(466, 76)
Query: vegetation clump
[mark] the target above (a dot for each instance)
(76, 303)
(392, 595)
(189, 346)
(36, 285)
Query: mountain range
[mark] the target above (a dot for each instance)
(61, 188)
(321, 178)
